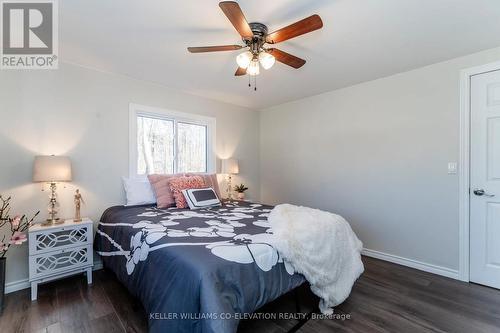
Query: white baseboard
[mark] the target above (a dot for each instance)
(422, 266)
(16, 285)
(25, 284)
(434, 269)
(97, 265)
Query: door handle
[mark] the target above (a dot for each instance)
(482, 193)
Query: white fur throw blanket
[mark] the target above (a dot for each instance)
(322, 247)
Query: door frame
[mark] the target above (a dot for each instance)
(464, 165)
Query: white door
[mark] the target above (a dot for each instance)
(485, 180)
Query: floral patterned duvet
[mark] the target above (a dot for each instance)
(195, 270)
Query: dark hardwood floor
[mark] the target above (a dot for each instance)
(387, 298)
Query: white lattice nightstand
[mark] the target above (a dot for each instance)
(58, 251)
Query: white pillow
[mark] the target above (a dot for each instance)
(201, 198)
(138, 191)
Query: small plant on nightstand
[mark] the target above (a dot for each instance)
(240, 189)
(18, 225)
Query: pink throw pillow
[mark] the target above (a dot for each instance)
(164, 196)
(178, 184)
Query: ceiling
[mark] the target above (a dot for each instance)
(361, 40)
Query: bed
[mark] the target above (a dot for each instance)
(195, 270)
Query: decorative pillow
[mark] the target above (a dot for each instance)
(138, 191)
(210, 180)
(164, 196)
(201, 198)
(177, 184)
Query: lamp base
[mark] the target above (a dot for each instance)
(49, 222)
(229, 187)
(53, 207)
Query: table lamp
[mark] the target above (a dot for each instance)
(230, 167)
(52, 170)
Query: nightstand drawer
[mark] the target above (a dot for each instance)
(43, 241)
(55, 262)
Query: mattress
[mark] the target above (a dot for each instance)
(195, 270)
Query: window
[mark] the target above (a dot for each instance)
(168, 142)
(155, 145)
(191, 148)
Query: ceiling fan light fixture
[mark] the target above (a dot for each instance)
(243, 59)
(255, 36)
(254, 68)
(267, 60)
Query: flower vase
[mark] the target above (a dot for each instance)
(2, 283)
(241, 195)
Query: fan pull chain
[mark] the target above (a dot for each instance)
(254, 82)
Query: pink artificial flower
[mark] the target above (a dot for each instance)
(18, 238)
(3, 247)
(15, 222)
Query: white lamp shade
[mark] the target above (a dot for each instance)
(243, 59)
(254, 68)
(52, 169)
(266, 60)
(230, 166)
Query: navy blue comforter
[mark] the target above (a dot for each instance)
(195, 270)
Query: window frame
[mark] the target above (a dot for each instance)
(138, 110)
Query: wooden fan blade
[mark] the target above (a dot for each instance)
(301, 27)
(235, 15)
(287, 58)
(240, 71)
(214, 48)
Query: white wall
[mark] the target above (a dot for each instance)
(377, 154)
(83, 113)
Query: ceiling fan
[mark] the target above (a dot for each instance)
(255, 36)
